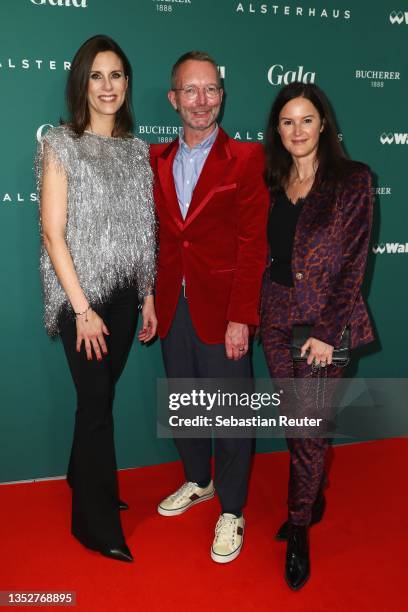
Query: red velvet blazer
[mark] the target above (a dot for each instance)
(329, 258)
(220, 247)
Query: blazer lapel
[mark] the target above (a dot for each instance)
(214, 170)
(165, 172)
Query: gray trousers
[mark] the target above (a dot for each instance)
(186, 356)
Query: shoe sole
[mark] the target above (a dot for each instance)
(226, 558)
(177, 511)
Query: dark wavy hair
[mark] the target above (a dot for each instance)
(77, 86)
(330, 154)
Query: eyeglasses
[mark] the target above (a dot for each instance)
(191, 91)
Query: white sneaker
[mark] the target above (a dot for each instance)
(229, 537)
(186, 496)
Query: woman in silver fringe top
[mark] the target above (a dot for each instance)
(97, 264)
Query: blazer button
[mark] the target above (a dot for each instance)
(299, 275)
(186, 243)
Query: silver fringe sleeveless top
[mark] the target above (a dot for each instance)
(110, 230)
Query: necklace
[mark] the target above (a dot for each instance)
(301, 181)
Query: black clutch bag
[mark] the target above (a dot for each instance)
(300, 333)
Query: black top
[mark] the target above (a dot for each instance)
(281, 235)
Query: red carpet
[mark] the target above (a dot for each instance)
(358, 552)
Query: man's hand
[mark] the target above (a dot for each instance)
(236, 340)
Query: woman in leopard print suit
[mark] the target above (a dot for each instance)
(318, 231)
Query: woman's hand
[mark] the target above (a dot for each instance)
(149, 327)
(90, 329)
(320, 353)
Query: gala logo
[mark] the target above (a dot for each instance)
(75, 3)
(277, 75)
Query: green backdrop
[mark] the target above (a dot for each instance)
(356, 51)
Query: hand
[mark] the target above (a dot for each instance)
(149, 327)
(91, 332)
(320, 353)
(236, 340)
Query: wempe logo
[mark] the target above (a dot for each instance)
(390, 138)
(399, 17)
(277, 75)
(75, 3)
(390, 248)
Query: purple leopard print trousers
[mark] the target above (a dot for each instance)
(279, 312)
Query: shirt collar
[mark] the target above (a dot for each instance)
(207, 143)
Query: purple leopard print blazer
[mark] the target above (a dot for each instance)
(329, 258)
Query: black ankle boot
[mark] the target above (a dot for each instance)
(118, 553)
(297, 570)
(317, 515)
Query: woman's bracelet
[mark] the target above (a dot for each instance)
(81, 314)
(145, 295)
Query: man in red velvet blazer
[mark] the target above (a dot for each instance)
(212, 205)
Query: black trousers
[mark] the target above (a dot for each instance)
(92, 469)
(186, 356)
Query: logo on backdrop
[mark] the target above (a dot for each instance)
(258, 136)
(247, 136)
(34, 64)
(399, 17)
(390, 248)
(42, 130)
(18, 198)
(377, 78)
(376, 191)
(277, 75)
(287, 10)
(170, 6)
(75, 3)
(390, 138)
(158, 133)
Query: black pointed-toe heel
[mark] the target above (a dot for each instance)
(297, 568)
(119, 553)
(122, 505)
(317, 515)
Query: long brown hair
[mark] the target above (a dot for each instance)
(77, 86)
(330, 154)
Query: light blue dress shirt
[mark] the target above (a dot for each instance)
(187, 168)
